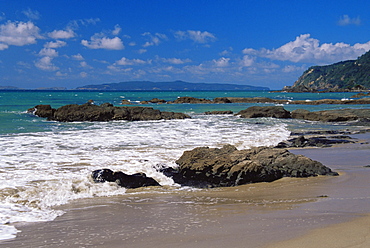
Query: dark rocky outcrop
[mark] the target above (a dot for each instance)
(318, 141)
(43, 111)
(213, 167)
(219, 112)
(361, 115)
(188, 99)
(326, 116)
(104, 112)
(156, 100)
(124, 180)
(269, 111)
(332, 115)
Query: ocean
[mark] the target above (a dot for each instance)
(46, 164)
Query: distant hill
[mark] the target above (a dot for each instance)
(170, 86)
(345, 75)
(8, 88)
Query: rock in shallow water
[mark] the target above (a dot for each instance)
(213, 167)
(124, 180)
(265, 111)
(104, 112)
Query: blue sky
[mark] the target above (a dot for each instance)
(262, 43)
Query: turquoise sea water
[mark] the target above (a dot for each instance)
(44, 164)
(14, 104)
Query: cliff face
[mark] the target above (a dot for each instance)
(345, 75)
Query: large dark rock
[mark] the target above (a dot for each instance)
(188, 99)
(325, 116)
(318, 141)
(124, 180)
(159, 101)
(268, 111)
(363, 115)
(213, 167)
(44, 111)
(104, 112)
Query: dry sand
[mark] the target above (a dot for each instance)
(291, 212)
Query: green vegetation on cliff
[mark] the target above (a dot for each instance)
(345, 75)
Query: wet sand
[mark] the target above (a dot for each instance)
(354, 234)
(290, 212)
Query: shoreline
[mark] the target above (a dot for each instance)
(255, 214)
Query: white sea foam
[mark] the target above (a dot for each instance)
(47, 169)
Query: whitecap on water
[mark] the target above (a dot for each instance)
(46, 169)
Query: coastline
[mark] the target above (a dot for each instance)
(255, 214)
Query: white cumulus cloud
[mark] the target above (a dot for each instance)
(155, 39)
(247, 61)
(45, 64)
(104, 43)
(307, 49)
(18, 34)
(47, 55)
(78, 57)
(126, 61)
(49, 52)
(176, 61)
(196, 36)
(62, 34)
(221, 62)
(55, 44)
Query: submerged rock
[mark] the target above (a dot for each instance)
(214, 167)
(124, 180)
(104, 112)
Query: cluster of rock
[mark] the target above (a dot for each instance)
(225, 167)
(325, 116)
(104, 112)
(193, 100)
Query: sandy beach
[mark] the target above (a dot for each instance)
(322, 211)
(355, 234)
